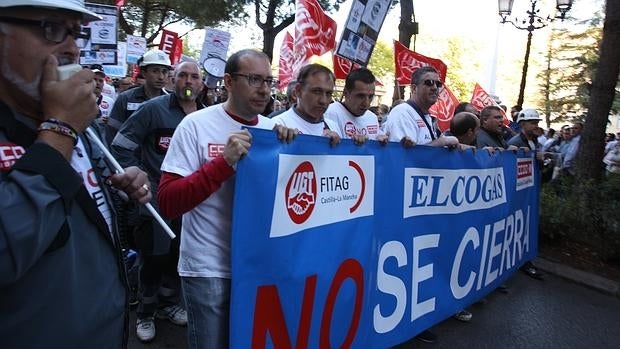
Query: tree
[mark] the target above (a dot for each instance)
(147, 18)
(382, 61)
(273, 16)
(590, 152)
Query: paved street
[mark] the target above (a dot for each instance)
(553, 313)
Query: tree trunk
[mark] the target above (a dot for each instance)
(405, 31)
(269, 38)
(590, 155)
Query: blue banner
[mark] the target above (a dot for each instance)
(366, 246)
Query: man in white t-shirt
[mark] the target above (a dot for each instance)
(410, 122)
(352, 115)
(197, 182)
(314, 89)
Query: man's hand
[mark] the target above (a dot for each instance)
(285, 134)
(135, 183)
(73, 100)
(334, 138)
(237, 146)
(407, 142)
(359, 139)
(383, 139)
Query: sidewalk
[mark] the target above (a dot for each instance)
(581, 277)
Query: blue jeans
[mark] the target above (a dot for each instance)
(208, 311)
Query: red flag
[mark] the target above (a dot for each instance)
(443, 109)
(315, 32)
(480, 99)
(285, 72)
(407, 62)
(119, 3)
(343, 66)
(177, 51)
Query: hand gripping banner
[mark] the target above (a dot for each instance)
(366, 246)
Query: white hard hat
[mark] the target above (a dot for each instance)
(155, 57)
(71, 5)
(528, 114)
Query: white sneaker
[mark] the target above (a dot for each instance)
(174, 313)
(145, 329)
(463, 315)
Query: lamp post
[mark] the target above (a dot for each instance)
(532, 22)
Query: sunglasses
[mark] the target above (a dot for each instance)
(52, 31)
(431, 83)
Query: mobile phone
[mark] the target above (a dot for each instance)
(66, 71)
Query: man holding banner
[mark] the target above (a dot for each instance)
(198, 183)
(352, 116)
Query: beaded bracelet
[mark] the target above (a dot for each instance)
(59, 127)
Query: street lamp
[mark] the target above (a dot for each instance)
(532, 22)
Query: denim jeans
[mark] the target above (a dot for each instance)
(208, 311)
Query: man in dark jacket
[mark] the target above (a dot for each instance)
(62, 277)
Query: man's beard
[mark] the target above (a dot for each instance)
(29, 88)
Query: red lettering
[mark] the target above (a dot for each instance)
(215, 150)
(352, 269)
(269, 317)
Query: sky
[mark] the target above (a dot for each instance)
(476, 22)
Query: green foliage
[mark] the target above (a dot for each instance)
(457, 57)
(583, 212)
(148, 17)
(572, 63)
(382, 61)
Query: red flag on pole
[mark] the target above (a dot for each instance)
(480, 99)
(443, 109)
(315, 32)
(166, 44)
(407, 61)
(177, 51)
(285, 72)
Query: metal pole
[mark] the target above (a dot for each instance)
(525, 66)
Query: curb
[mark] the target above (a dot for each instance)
(579, 276)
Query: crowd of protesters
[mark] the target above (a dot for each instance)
(68, 216)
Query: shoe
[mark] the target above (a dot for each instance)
(174, 313)
(427, 336)
(463, 316)
(145, 329)
(530, 270)
(503, 288)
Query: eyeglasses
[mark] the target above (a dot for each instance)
(52, 31)
(430, 83)
(257, 80)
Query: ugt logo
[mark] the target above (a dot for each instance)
(301, 193)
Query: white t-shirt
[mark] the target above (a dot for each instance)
(403, 121)
(81, 164)
(105, 107)
(349, 124)
(205, 236)
(291, 119)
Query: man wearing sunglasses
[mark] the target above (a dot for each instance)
(62, 276)
(410, 122)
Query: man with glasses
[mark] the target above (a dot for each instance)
(198, 182)
(154, 66)
(62, 276)
(411, 122)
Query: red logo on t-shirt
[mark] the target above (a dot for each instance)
(301, 193)
(215, 150)
(9, 153)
